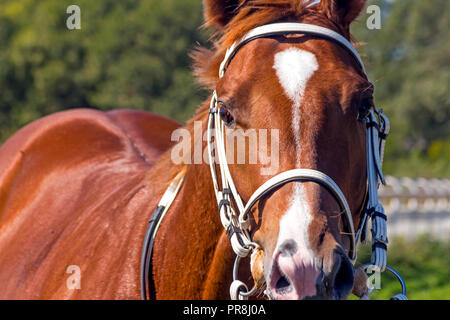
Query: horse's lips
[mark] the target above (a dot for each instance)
(301, 275)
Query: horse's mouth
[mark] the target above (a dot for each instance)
(281, 286)
(280, 281)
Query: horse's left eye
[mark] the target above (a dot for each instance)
(226, 115)
(364, 108)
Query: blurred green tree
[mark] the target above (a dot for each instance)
(128, 54)
(409, 62)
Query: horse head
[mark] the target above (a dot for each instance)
(315, 93)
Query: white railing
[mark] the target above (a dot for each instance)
(417, 206)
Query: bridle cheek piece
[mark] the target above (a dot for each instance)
(234, 215)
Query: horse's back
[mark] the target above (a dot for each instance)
(63, 179)
(150, 133)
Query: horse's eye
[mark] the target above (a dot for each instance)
(364, 108)
(226, 115)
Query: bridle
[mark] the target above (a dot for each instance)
(234, 215)
(235, 218)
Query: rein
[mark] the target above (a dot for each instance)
(234, 218)
(146, 277)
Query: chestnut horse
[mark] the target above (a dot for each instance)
(77, 188)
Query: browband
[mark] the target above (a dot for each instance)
(283, 28)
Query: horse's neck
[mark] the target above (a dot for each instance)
(192, 257)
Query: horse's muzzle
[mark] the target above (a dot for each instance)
(295, 275)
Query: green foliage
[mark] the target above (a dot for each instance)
(423, 263)
(128, 54)
(134, 54)
(408, 61)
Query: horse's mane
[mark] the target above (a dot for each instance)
(250, 14)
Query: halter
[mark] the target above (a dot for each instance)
(234, 214)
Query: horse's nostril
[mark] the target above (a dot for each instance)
(288, 248)
(283, 285)
(280, 282)
(293, 273)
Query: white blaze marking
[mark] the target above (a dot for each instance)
(294, 67)
(294, 225)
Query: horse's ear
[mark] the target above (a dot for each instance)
(219, 12)
(342, 12)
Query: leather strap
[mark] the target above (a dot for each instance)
(284, 28)
(146, 270)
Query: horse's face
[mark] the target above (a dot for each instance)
(311, 91)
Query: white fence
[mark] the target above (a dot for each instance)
(417, 206)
